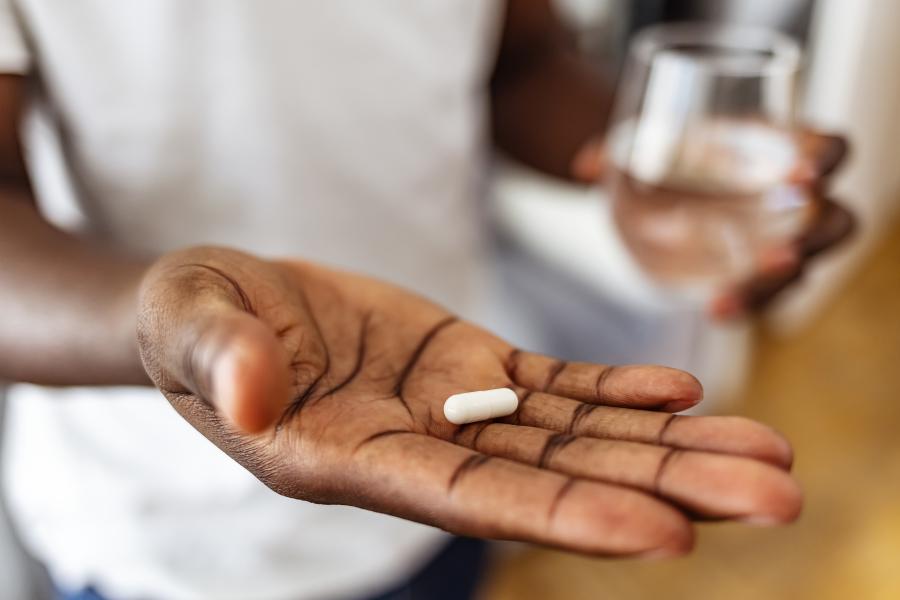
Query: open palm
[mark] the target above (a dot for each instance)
(353, 374)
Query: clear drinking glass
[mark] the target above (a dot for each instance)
(703, 153)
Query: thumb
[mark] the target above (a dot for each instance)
(196, 337)
(589, 164)
(234, 361)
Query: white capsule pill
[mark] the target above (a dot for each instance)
(478, 406)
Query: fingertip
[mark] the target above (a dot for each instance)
(588, 163)
(679, 542)
(781, 504)
(657, 387)
(684, 389)
(778, 451)
(726, 307)
(824, 151)
(250, 380)
(834, 225)
(837, 149)
(790, 499)
(735, 435)
(672, 537)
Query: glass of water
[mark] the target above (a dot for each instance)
(704, 160)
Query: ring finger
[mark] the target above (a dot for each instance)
(708, 484)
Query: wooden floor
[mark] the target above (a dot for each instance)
(835, 391)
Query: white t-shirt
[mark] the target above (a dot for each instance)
(342, 131)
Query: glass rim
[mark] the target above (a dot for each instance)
(783, 51)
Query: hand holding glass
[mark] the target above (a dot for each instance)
(705, 165)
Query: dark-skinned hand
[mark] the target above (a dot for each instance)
(830, 222)
(329, 387)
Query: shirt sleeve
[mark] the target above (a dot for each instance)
(14, 56)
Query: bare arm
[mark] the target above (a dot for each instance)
(68, 306)
(547, 101)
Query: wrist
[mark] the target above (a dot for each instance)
(124, 360)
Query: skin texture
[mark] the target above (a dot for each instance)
(329, 386)
(354, 373)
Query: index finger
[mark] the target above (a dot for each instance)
(632, 386)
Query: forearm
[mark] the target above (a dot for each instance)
(68, 306)
(547, 100)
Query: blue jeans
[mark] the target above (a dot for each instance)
(454, 574)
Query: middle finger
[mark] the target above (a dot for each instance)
(727, 435)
